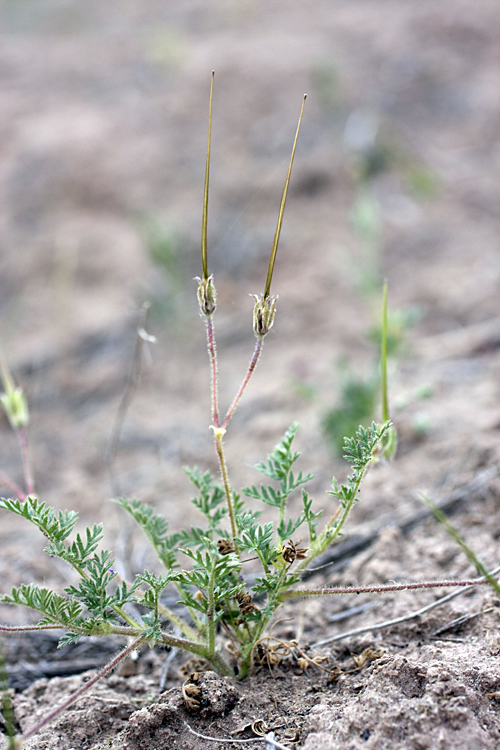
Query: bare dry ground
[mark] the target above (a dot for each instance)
(103, 132)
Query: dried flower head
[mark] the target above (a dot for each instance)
(207, 297)
(245, 604)
(190, 695)
(291, 552)
(263, 315)
(225, 546)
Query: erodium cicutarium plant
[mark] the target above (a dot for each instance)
(227, 607)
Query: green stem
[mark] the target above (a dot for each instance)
(28, 474)
(273, 601)
(215, 659)
(219, 432)
(183, 627)
(193, 647)
(211, 609)
(262, 560)
(120, 611)
(332, 530)
(220, 665)
(282, 516)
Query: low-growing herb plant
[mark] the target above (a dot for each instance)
(213, 587)
(204, 566)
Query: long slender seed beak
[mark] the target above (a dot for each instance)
(274, 250)
(204, 262)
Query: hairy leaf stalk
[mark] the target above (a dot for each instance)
(384, 588)
(73, 698)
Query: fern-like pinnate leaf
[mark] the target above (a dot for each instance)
(255, 537)
(273, 583)
(287, 529)
(92, 589)
(310, 516)
(211, 498)
(359, 451)
(57, 609)
(214, 575)
(156, 529)
(279, 468)
(196, 536)
(78, 552)
(156, 582)
(282, 458)
(55, 525)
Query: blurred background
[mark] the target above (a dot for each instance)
(103, 127)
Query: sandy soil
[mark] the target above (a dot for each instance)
(103, 133)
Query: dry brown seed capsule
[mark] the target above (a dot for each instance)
(247, 609)
(243, 597)
(190, 695)
(225, 546)
(291, 552)
(245, 603)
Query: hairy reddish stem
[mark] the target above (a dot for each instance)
(111, 665)
(28, 474)
(21, 496)
(24, 628)
(212, 353)
(251, 368)
(380, 589)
